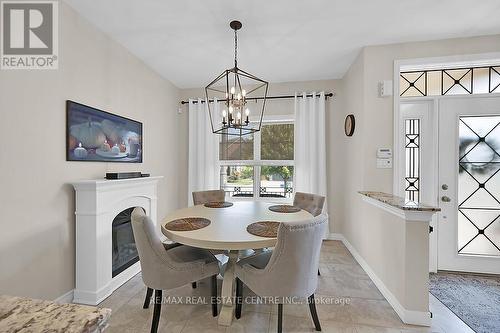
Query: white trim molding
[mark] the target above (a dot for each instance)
(65, 298)
(335, 236)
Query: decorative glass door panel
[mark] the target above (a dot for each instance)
(479, 185)
(469, 184)
(412, 160)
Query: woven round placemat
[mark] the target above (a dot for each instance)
(264, 228)
(187, 224)
(284, 209)
(218, 204)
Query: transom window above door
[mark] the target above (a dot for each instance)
(259, 165)
(450, 81)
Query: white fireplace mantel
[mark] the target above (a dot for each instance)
(98, 202)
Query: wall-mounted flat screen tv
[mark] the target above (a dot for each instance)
(100, 136)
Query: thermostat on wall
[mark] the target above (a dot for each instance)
(384, 158)
(384, 153)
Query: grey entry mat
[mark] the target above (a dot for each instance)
(475, 299)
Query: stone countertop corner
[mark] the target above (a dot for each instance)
(399, 202)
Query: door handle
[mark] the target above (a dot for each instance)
(444, 198)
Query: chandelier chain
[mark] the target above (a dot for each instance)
(235, 48)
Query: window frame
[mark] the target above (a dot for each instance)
(257, 163)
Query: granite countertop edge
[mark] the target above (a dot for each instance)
(399, 202)
(35, 315)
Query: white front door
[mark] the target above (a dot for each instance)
(469, 184)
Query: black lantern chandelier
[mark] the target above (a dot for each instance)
(235, 87)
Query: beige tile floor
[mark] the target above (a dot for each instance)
(364, 309)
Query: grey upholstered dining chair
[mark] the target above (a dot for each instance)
(203, 197)
(312, 203)
(199, 198)
(167, 269)
(169, 246)
(289, 270)
(149, 291)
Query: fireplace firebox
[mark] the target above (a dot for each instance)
(123, 243)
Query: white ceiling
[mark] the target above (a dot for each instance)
(189, 42)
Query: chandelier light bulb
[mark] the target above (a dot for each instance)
(233, 90)
(247, 112)
(239, 115)
(224, 113)
(239, 96)
(230, 109)
(243, 93)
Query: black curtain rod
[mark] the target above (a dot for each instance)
(268, 97)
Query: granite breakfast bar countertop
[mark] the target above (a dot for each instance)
(399, 202)
(34, 315)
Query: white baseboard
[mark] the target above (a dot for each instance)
(335, 236)
(407, 316)
(90, 297)
(65, 298)
(94, 298)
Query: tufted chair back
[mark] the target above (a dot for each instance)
(310, 202)
(203, 197)
(293, 265)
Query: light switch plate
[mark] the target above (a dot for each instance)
(384, 153)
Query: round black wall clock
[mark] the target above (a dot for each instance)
(349, 125)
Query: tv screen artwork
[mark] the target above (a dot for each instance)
(96, 135)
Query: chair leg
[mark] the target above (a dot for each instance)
(193, 284)
(280, 318)
(319, 274)
(314, 314)
(239, 298)
(214, 295)
(149, 293)
(156, 311)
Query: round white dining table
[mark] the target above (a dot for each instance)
(228, 231)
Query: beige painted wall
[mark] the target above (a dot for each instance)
(351, 150)
(333, 107)
(37, 242)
